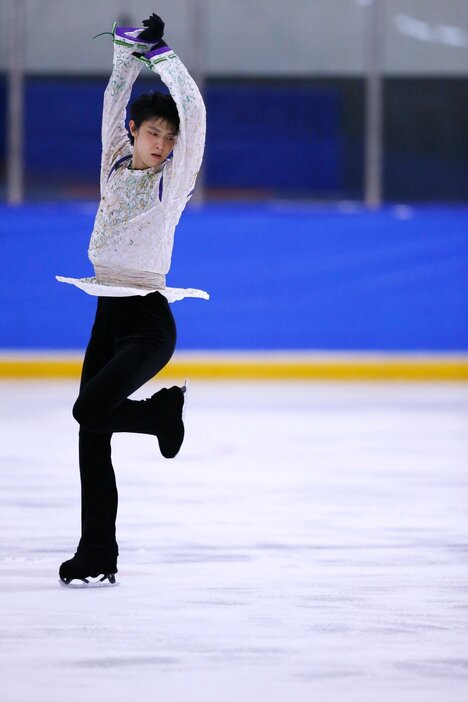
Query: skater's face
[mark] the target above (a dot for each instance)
(154, 140)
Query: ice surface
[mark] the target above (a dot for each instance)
(310, 542)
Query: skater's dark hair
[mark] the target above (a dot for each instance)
(154, 105)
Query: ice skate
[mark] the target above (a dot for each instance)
(171, 430)
(89, 568)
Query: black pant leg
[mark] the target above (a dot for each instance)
(131, 340)
(144, 338)
(99, 497)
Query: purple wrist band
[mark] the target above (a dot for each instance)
(157, 52)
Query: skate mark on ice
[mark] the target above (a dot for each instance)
(127, 661)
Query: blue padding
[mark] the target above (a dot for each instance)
(263, 136)
(271, 136)
(280, 278)
(63, 128)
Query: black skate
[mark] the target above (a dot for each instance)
(89, 568)
(171, 431)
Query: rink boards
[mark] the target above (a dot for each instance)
(255, 366)
(296, 291)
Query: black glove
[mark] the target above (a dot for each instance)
(154, 31)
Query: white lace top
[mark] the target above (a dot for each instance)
(132, 240)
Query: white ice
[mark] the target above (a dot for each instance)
(309, 543)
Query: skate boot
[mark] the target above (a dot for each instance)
(171, 431)
(92, 566)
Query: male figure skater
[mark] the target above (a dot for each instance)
(146, 181)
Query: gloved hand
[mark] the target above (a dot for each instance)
(154, 31)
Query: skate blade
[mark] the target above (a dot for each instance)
(80, 583)
(185, 391)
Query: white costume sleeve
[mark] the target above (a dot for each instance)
(115, 139)
(181, 173)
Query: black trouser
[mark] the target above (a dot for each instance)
(132, 339)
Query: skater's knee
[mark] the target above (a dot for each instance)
(79, 412)
(85, 415)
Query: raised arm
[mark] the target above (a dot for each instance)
(125, 69)
(188, 151)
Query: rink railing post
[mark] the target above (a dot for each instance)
(374, 43)
(16, 43)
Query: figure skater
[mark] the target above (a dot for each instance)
(147, 178)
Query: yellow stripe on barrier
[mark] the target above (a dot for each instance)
(267, 367)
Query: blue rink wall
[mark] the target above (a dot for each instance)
(242, 120)
(281, 276)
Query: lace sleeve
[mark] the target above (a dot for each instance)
(115, 140)
(188, 152)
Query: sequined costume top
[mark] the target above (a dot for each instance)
(133, 236)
